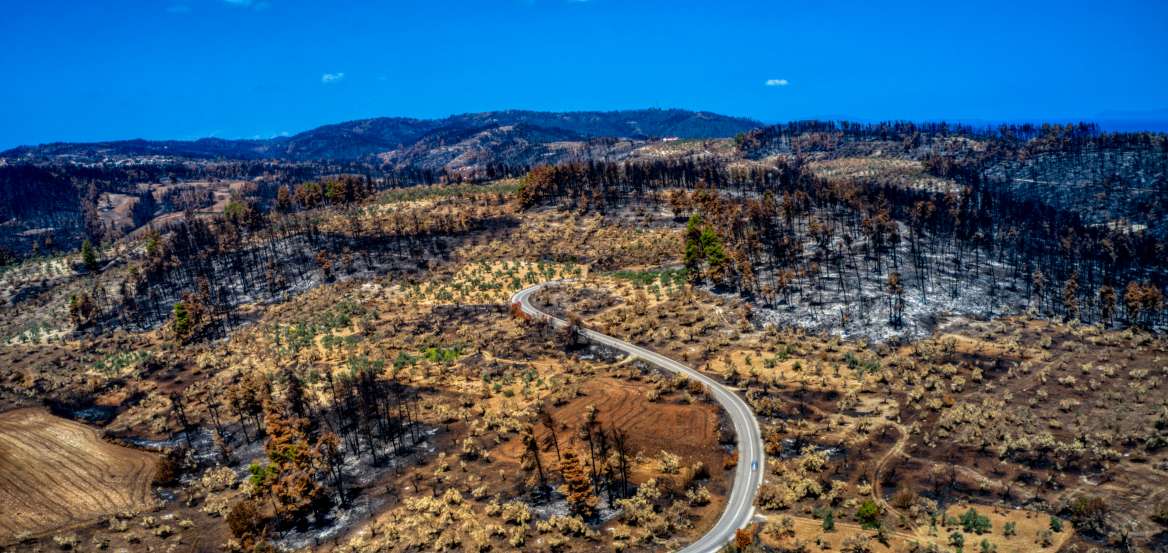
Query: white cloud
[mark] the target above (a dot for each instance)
(255, 5)
(777, 82)
(331, 77)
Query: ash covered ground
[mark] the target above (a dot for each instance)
(851, 300)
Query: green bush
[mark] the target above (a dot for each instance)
(972, 522)
(1009, 529)
(957, 540)
(868, 514)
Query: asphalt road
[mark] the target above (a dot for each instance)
(748, 474)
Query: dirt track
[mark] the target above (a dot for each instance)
(56, 473)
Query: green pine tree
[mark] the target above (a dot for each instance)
(693, 248)
(182, 320)
(88, 256)
(714, 253)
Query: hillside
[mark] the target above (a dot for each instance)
(354, 140)
(369, 325)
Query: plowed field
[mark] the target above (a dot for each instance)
(55, 473)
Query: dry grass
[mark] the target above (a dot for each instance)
(907, 173)
(490, 282)
(1029, 528)
(604, 243)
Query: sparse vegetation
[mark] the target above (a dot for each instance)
(345, 343)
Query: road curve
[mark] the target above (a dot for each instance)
(748, 474)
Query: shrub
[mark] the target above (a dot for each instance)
(972, 522)
(516, 512)
(743, 538)
(784, 528)
(868, 514)
(67, 541)
(471, 449)
(957, 540)
(1160, 515)
(773, 497)
(640, 510)
(699, 496)
(1056, 525)
(169, 468)
(245, 521)
(904, 499)
(669, 462)
(858, 543)
(518, 537)
(566, 525)
(1089, 513)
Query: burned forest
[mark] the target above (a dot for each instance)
(493, 333)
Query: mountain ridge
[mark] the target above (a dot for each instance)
(367, 138)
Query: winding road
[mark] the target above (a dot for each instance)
(749, 471)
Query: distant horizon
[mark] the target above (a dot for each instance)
(1144, 121)
(185, 69)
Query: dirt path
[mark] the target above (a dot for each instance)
(55, 472)
(896, 450)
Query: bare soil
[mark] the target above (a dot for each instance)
(56, 473)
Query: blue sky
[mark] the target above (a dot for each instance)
(256, 68)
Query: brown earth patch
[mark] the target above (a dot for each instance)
(687, 430)
(56, 472)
